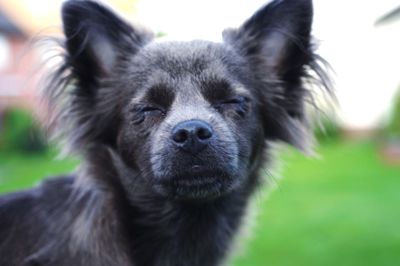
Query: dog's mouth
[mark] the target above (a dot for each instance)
(199, 184)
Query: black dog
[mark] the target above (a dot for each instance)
(172, 137)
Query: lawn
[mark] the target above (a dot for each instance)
(340, 209)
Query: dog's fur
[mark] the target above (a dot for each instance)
(140, 197)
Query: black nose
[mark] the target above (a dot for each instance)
(192, 135)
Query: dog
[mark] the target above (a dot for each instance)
(172, 137)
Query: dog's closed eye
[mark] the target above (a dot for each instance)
(142, 112)
(237, 104)
(151, 110)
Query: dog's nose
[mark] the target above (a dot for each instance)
(192, 135)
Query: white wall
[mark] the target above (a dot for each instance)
(366, 58)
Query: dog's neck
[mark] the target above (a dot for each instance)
(176, 233)
(161, 231)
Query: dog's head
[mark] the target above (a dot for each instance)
(190, 117)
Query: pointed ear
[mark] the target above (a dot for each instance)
(96, 38)
(276, 37)
(276, 43)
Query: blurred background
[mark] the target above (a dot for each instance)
(341, 207)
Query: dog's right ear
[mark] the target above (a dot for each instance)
(96, 38)
(276, 42)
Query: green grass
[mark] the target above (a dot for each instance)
(19, 171)
(340, 209)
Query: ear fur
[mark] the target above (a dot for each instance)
(276, 43)
(96, 42)
(96, 38)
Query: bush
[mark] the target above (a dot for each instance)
(393, 127)
(20, 132)
(326, 130)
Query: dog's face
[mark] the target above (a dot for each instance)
(190, 122)
(190, 117)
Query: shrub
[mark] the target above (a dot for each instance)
(326, 130)
(20, 132)
(393, 127)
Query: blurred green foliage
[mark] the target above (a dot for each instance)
(20, 132)
(327, 130)
(393, 128)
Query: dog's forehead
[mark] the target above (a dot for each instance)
(191, 54)
(172, 62)
(185, 70)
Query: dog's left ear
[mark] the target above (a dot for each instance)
(97, 43)
(96, 38)
(276, 43)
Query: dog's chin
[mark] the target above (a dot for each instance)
(196, 186)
